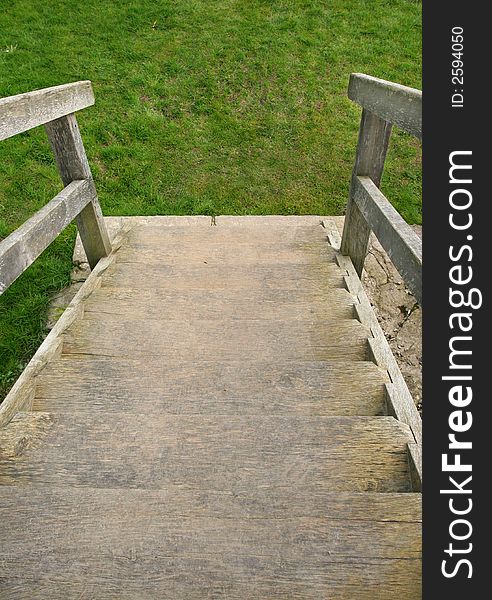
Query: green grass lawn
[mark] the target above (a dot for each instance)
(202, 107)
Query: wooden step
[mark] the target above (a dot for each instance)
(276, 253)
(234, 235)
(228, 578)
(317, 278)
(154, 386)
(278, 453)
(179, 544)
(109, 335)
(177, 501)
(272, 304)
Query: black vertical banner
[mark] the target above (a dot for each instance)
(457, 196)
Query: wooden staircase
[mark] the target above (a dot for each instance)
(216, 415)
(213, 427)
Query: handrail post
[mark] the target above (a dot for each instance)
(374, 134)
(68, 148)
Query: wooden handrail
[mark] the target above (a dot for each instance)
(402, 244)
(20, 249)
(54, 108)
(395, 103)
(384, 104)
(26, 111)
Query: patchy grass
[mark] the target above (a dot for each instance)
(202, 106)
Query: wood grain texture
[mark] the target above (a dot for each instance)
(105, 537)
(402, 244)
(212, 431)
(211, 452)
(224, 253)
(372, 147)
(210, 304)
(392, 102)
(153, 387)
(103, 334)
(68, 148)
(237, 230)
(415, 465)
(25, 111)
(230, 577)
(21, 248)
(119, 524)
(23, 435)
(320, 278)
(384, 103)
(256, 233)
(174, 502)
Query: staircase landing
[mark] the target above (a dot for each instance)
(212, 418)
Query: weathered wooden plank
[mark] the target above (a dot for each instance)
(356, 236)
(383, 103)
(301, 542)
(227, 228)
(256, 245)
(227, 577)
(204, 223)
(392, 102)
(156, 386)
(111, 535)
(21, 248)
(192, 253)
(372, 146)
(25, 111)
(317, 278)
(68, 148)
(402, 244)
(109, 335)
(45, 504)
(256, 233)
(278, 453)
(400, 401)
(263, 304)
(183, 230)
(415, 466)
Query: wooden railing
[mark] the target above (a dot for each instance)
(54, 108)
(383, 104)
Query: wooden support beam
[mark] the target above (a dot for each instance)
(25, 111)
(68, 148)
(25, 244)
(374, 134)
(390, 101)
